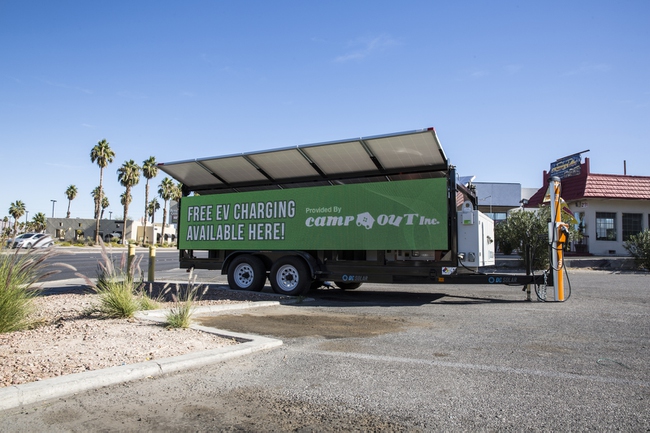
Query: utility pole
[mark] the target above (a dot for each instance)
(53, 203)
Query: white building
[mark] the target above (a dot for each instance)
(609, 207)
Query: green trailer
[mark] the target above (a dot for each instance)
(384, 209)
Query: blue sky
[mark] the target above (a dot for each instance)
(510, 86)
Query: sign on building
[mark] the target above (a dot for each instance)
(568, 166)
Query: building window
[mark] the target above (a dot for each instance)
(497, 216)
(632, 223)
(606, 226)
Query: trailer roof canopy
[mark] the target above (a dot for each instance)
(404, 155)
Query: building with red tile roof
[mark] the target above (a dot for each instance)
(609, 207)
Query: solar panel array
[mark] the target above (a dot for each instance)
(414, 154)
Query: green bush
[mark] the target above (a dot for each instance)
(639, 247)
(20, 271)
(180, 314)
(524, 230)
(120, 295)
(116, 299)
(502, 238)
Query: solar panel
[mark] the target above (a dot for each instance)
(190, 173)
(348, 157)
(234, 169)
(346, 161)
(284, 164)
(403, 152)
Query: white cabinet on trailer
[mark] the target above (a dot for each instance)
(475, 237)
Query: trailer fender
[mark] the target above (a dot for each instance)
(312, 263)
(232, 256)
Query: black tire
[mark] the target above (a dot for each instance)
(290, 276)
(247, 272)
(347, 286)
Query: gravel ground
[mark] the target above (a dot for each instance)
(446, 358)
(67, 340)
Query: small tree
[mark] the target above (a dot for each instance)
(39, 222)
(638, 246)
(152, 208)
(96, 197)
(17, 210)
(103, 155)
(166, 192)
(528, 231)
(149, 171)
(105, 204)
(502, 237)
(128, 175)
(70, 193)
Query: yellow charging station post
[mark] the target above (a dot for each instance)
(129, 259)
(152, 263)
(557, 237)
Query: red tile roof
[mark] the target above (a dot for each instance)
(588, 185)
(613, 186)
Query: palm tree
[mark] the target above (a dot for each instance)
(176, 196)
(125, 199)
(166, 192)
(105, 204)
(95, 194)
(71, 193)
(103, 155)
(16, 210)
(39, 222)
(128, 175)
(153, 207)
(178, 192)
(151, 212)
(149, 171)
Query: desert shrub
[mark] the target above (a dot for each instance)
(639, 247)
(116, 299)
(20, 272)
(180, 314)
(120, 292)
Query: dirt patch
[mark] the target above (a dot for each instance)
(289, 322)
(242, 409)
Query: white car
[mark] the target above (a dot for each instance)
(31, 240)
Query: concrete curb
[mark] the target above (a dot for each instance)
(34, 392)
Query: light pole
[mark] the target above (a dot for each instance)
(110, 214)
(53, 203)
(485, 198)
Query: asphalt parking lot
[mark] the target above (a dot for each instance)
(402, 358)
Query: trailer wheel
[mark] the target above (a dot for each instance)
(290, 276)
(247, 272)
(347, 286)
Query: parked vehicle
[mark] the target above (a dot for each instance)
(383, 209)
(31, 240)
(113, 237)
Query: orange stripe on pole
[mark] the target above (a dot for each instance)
(560, 244)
